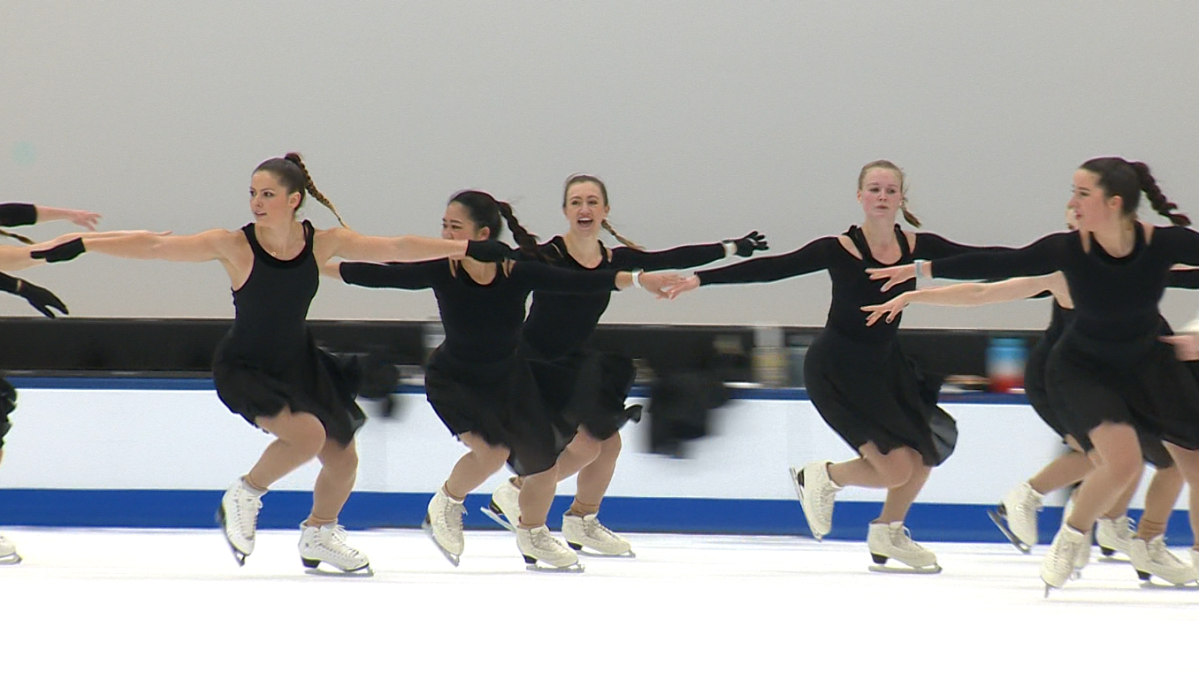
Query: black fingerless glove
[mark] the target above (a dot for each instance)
(490, 251)
(63, 252)
(37, 296)
(749, 243)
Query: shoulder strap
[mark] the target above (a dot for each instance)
(859, 241)
(905, 250)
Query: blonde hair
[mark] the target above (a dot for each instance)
(579, 178)
(903, 189)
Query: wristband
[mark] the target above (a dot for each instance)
(730, 248)
(635, 276)
(919, 269)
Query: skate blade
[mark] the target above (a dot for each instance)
(583, 551)
(10, 560)
(1148, 583)
(539, 567)
(905, 570)
(449, 556)
(498, 518)
(238, 555)
(318, 571)
(1001, 524)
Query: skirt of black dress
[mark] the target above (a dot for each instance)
(1139, 383)
(587, 388)
(872, 392)
(317, 383)
(501, 403)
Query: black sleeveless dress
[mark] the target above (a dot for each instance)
(12, 215)
(1109, 366)
(585, 386)
(857, 376)
(1152, 449)
(269, 359)
(479, 380)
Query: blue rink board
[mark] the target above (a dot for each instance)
(931, 522)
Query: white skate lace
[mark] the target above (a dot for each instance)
(543, 541)
(1159, 554)
(451, 515)
(902, 539)
(592, 528)
(338, 545)
(247, 512)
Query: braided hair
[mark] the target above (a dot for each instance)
(291, 172)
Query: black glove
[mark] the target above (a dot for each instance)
(490, 251)
(62, 252)
(37, 296)
(749, 243)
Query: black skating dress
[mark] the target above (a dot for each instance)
(479, 379)
(269, 359)
(587, 387)
(1035, 388)
(857, 376)
(12, 215)
(1109, 365)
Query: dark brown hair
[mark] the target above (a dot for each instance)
(291, 172)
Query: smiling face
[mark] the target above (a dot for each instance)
(1093, 209)
(457, 225)
(585, 208)
(881, 193)
(269, 200)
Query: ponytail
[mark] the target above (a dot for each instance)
(526, 241)
(621, 239)
(24, 239)
(908, 216)
(310, 187)
(1157, 199)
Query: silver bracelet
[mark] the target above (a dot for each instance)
(919, 269)
(730, 248)
(635, 276)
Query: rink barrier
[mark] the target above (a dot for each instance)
(930, 522)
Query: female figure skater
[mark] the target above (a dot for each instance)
(12, 259)
(587, 387)
(1109, 374)
(268, 368)
(1016, 516)
(857, 376)
(479, 382)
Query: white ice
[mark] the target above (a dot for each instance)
(174, 600)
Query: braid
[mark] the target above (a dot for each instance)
(310, 186)
(526, 241)
(8, 234)
(1157, 199)
(908, 216)
(623, 241)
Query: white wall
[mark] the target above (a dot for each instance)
(175, 439)
(707, 118)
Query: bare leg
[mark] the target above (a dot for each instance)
(595, 477)
(1063, 471)
(536, 496)
(1119, 462)
(299, 438)
(472, 469)
(1187, 463)
(1119, 508)
(899, 498)
(873, 469)
(1164, 489)
(581, 452)
(339, 471)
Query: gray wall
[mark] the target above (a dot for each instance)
(707, 119)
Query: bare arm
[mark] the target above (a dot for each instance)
(351, 245)
(83, 218)
(973, 294)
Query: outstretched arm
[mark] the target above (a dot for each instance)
(38, 297)
(968, 294)
(1039, 258)
(353, 246)
(20, 214)
(688, 256)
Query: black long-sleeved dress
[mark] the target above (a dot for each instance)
(1109, 364)
(269, 359)
(588, 387)
(857, 376)
(479, 380)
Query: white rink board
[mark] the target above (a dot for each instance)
(186, 439)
